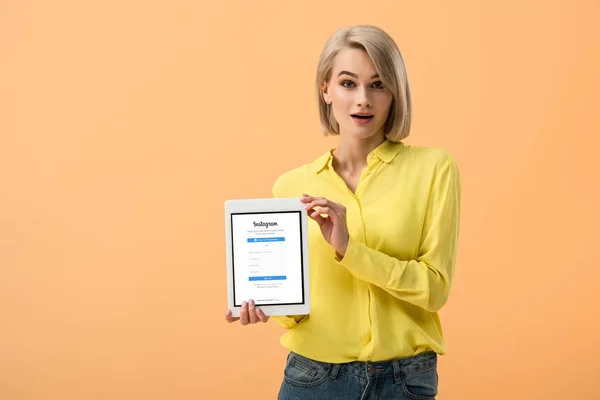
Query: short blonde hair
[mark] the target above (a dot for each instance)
(388, 62)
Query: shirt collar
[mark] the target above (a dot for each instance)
(385, 152)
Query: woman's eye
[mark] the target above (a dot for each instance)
(347, 84)
(378, 85)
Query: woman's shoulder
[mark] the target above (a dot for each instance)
(429, 154)
(290, 182)
(426, 162)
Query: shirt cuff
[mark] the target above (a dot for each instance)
(287, 321)
(349, 255)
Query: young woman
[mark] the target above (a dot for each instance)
(383, 236)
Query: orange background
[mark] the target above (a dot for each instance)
(124, 126)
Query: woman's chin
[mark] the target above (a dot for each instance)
(363, 134)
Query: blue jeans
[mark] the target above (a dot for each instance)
(412, 378)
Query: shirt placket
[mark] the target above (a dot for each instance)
(363, 289)
(356, 226)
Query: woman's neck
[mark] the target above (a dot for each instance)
(351, 154)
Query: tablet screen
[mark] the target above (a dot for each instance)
(267, 258)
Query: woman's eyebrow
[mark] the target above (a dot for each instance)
(354, 75)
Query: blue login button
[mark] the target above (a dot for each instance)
(268, 278)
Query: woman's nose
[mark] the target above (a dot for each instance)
(363, 98)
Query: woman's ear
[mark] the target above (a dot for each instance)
(325, 92)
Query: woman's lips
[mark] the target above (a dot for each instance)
(361, 119)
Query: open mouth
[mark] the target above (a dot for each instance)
(362, 116)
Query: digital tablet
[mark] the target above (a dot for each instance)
(267, 255)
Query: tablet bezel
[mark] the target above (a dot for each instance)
(268, 205)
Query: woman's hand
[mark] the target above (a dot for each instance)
(248, 314)
(333, 226)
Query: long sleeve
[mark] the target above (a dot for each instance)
(425, 281)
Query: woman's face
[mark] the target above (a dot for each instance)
(359, 100)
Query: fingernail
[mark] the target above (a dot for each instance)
(251, 302)
(244, 304)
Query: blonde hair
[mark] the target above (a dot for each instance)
(388, 62)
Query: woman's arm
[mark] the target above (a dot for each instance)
(425, 281)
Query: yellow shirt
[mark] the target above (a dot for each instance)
(380, 301)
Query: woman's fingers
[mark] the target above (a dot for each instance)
(249, 314)
(323, 202)
(261, 315)
(244, 317)
(316, 215)
(307, 199)
(331, 209)
(336, 215)
(319, 219)
(229, 318)
(256, 314)
(252, 312)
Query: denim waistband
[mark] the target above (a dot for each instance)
(379, 369)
